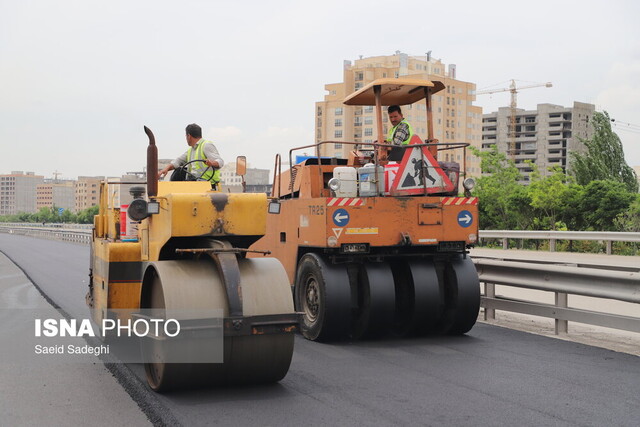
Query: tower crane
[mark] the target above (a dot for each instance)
(514, 96)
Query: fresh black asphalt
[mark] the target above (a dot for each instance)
(491, 376)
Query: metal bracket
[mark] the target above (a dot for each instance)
(227, 263)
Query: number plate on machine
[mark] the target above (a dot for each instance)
(352, 248)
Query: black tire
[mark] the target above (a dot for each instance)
(376, 301)
(322, 293)
(462, 296)
(418, 305)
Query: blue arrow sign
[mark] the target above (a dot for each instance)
(341, 217)
(60, 210)
(465, 219)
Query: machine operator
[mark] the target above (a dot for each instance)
(399, 134)
(199, 149)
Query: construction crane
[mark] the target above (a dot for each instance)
(514, 96)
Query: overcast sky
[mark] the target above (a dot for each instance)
(79, 79)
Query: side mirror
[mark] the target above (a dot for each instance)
(241, 166)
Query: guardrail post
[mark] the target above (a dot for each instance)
(489, 292)
(552, 245)
(609, 247)
(505, 244)
(562, 326)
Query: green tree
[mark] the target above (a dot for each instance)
(503, 202)
(549, 196)
(85, 216)
(604, 158)
(602, 203)
(629, 220)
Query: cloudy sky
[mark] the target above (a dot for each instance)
(80, 78)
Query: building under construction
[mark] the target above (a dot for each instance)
(543, 136)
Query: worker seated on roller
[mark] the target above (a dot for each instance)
(399, 134)
(200, 162)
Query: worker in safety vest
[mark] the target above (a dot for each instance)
(400, 133)
(199, 149)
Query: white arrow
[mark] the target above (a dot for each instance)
(339, 217)
(465, 218)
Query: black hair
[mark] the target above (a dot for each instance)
(194, 130)
(393, 108)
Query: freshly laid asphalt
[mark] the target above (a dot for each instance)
(491, 376)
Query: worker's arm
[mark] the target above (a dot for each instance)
(213, 157)
(173, 165)
(166, 170)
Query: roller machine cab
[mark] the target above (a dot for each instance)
(373, 246)
(190, 253)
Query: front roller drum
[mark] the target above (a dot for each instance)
(248, 358)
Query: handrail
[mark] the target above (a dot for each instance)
(553, 236)
(52, 233)
(562, 280)
(56, 225)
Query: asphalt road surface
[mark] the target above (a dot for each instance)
(491, 376)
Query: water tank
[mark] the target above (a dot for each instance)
(367, 178)
(347, 178)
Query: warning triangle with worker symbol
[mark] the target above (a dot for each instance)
(419, 172)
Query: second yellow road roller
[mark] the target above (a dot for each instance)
(189, 255)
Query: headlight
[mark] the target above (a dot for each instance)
(469, 183)
(334, 184)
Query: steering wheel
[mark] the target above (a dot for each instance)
(182, 173)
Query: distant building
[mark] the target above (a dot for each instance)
(87, 192)
(455, 118)
(544, 136)
(257, 180)
(55, 193)
(18, 192)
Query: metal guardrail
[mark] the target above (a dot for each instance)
(56, 225)
(552, 236)
(562, 280)
(47, 231)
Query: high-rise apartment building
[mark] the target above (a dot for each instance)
(455, 118)
(543, 137)
(18, 192)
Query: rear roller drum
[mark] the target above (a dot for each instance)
(462, 296)
(323, 295)
(376, 300)
(196, 285)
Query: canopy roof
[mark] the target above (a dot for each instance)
(393, 92)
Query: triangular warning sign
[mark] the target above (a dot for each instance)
(337, 232)
(419, 173)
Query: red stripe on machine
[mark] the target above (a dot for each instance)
(345, 201)
(457, 201)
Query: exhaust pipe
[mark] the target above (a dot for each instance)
(152, 164)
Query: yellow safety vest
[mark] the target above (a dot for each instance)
(393, 131)
(197, 168)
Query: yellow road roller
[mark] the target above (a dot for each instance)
(189, 255)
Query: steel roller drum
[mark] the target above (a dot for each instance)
(190, 284)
